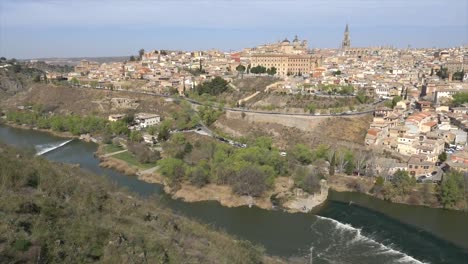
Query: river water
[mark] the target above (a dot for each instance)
(366, 230)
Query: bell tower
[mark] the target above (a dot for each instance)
(346, 39)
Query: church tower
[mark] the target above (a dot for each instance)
(346, 40)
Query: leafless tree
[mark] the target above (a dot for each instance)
(360, 158)
(341, 161)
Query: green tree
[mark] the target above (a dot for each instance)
(173, 169)
(240, 69)
(459, 98)
(302, 153)
(362, 97)
(214, 87)
(331, 170)
(271, 71)
(458, 76)
(311, 108)
(402, 182)
(141, 52)
(452, 189)
(163, 131)
(135, 136)
(443, 73)
(74, 81)
(443, 156)
(132, 58)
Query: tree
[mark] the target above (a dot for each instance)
(141, 52)
(311, 108)
(331, 170)
(307, 179)
(402, 182)
(163, 131)
(135, 136)
(459, 98)
(74, 81)
(132, 58)
(458, 76)
(443, 156)
(451, 189)
(173, 169)
(443, 73)
(199, 175)
(240, 69)
(360, 158)
(362, 97)
(271, 71)
(250, 180)
(302, 153)
(214, 87)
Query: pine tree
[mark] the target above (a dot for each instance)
(331, 171)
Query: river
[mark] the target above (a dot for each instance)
(367, 230)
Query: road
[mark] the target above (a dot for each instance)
(243, 109)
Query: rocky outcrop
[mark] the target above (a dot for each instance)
(304, 202)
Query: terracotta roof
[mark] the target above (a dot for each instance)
(431, 124)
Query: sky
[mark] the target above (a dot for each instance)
(99, 28)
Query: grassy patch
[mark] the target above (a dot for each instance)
(131, 159)
(111, 148)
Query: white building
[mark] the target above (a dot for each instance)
(144, 120)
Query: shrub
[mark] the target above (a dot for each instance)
(250, 180)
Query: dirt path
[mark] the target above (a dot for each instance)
(114, 153)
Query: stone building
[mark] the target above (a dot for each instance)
(287, 63)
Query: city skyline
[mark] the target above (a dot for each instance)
(87, 29)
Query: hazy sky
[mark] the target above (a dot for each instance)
(75, 28)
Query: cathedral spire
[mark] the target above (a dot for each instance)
(346, 39)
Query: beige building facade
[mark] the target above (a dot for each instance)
(286, 63)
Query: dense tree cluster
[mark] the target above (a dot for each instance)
(261, 70)
(214, 87)
(72, 123)
(250, 171)
(459, 98)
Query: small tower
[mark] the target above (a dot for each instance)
(346, 39)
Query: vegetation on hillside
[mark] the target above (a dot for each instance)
(215, 86)
(52, 213)
(459, 99)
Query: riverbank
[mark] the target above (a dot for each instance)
(221, 193)
(290, 200)
(397, 231)
(420, 195)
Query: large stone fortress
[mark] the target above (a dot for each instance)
(289, 58)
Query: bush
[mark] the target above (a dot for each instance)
(250, 180)
(199, 176)
(302, 153)
(451, 189)
(173, 169)
(143, 153)
(307, 179)
(21, 245)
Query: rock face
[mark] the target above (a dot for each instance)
(304, 202)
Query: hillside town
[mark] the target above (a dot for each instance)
(410, 92)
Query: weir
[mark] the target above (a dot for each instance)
(43, 149)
